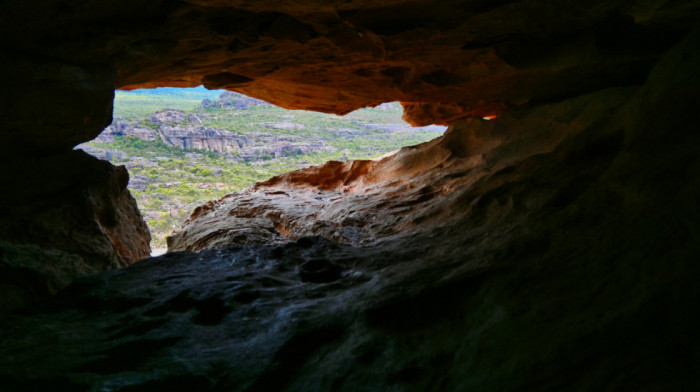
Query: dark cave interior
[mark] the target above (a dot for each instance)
(554, 247)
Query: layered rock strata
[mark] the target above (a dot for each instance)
(175, 129)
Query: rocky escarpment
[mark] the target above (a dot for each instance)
(554, 250)
(176, 129)
(236, 101)
(186, 131)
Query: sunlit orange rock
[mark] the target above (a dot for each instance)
(445, 60)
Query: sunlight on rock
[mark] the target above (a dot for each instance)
(553, 249)
(183, 147)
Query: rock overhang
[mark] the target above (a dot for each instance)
(573, 269)
(443, 60)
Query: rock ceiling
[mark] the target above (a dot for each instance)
(443, 59)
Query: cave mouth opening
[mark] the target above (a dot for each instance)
(183, 147)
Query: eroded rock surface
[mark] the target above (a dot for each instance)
(416, 189)
(65, 216)
(443, 59)
(566, 259)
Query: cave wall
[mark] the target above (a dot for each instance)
(63, 213)
(557, 251)
(443, 59)
(63, 216)
(552, 248)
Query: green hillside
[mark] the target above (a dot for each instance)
(140, 103)
(169, 180)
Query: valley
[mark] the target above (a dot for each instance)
(183, 147)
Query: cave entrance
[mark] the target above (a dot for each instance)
(186, 146)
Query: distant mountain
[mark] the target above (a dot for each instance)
(232, 100)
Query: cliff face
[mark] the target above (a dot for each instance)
(177, 131)
(553, 248)
(182, 131)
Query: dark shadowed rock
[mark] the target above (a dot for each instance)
(554, 265)
(443, 60)
(552, 248)
(319, 271)
(67, 215)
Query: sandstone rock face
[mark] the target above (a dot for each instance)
(175, 116)
(362, 202)
(174, 128)
(66, 215)
(120, 127)
(63, 214)
(555, 250)
(201, 138)
(443, 59)
(414, 190)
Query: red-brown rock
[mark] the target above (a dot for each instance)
(444, 59)
(554, 248)
(66, 215)
(412, 191)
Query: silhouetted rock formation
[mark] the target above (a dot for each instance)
(553, 248)
(410, 192)
(65, 216)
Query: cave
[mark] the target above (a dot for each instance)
(553, 246)
(183, 147)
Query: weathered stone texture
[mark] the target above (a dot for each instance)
(556, 252)
(66, 215)
(553, 248)
(443, 59)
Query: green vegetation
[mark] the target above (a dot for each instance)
(141, 103)
(169, 182)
